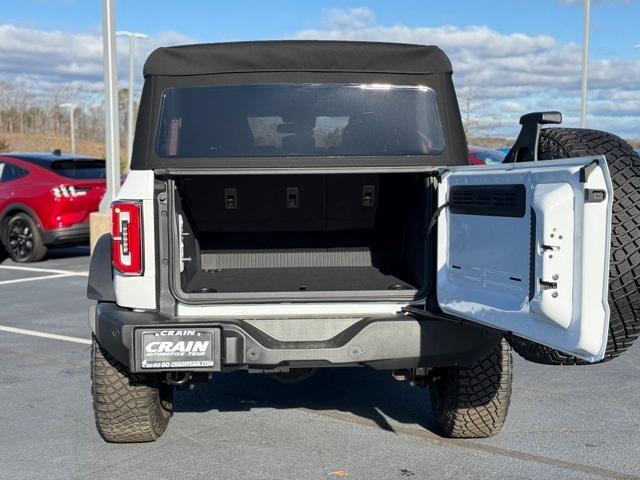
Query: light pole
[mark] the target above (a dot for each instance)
(72, 129)
(111, 130)
(585, 62)
(132, 40)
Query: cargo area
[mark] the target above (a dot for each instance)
(301, 233)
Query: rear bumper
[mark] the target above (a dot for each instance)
(399, 341)
(62, 236)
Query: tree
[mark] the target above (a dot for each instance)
(474, 111)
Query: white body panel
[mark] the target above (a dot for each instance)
(139, 292)
(484, 272)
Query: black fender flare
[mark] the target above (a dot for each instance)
(100, 284)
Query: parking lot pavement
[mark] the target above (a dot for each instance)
(565, 422)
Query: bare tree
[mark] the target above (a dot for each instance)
(475, 110)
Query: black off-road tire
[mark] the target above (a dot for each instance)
(472, 402)
(33, 248)
(624, 273)
(127, 407)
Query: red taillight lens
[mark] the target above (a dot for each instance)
(69, 191)
(126, 234)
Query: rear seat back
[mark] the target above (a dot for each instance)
(247, 203)
(293, 203)
(352, 201)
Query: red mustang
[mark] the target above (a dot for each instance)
(45, 199)
(484, 156)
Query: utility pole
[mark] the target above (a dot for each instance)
(111, 129)
(585, 62)
(132, 39)
(72, 129)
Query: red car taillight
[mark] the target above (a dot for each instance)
(69, 191)
(126, 234)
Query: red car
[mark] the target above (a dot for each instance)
(484, 156)
(46, 199)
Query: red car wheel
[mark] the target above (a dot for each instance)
(23, 240)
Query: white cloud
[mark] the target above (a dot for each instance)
(43, 60)
(506, 73)
(352, 18)
(504, 70)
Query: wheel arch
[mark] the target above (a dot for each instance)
(20, 207)
(13, 209)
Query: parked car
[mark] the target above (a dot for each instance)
(485, 156)
(297, 205)
(45, 200)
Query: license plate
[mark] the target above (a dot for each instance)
(179, 348)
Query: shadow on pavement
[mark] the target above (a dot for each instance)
(52, 254)
(369, 394)
(67, 252)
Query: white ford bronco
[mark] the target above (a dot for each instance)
(296, 205)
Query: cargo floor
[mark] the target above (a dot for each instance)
(315, 279)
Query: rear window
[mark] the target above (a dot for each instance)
(80, 168)
(298, 120)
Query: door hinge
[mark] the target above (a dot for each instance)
(546, 285)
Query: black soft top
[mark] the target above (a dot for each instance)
(296, 55)
(296, 62)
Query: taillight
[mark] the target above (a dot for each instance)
(126, 235)
(69, 191)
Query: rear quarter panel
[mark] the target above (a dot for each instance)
(30, 194)
(140, 292)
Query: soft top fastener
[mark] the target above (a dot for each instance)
(526, 147)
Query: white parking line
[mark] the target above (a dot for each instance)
(44, 270)
(31, 279)
(53, 336)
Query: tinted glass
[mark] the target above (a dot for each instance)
(80, 168)
(11, 172)
(298, 120)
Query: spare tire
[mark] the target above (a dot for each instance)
(624, 273)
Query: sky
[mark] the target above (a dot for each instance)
(509, 57)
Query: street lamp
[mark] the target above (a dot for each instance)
(111, 131)
(72, 130)
(585, 62)
(132, 39)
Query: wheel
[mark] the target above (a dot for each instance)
(127, 407)
(624, 265)
(472, 402)
(22, 239)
